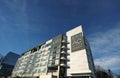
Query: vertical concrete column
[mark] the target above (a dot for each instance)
(58, 72)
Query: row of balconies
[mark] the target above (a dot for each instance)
(64, 54)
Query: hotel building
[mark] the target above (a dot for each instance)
(60, 57)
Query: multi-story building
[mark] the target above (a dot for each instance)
(60, 57)
(7, 64)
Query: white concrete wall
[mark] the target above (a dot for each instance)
(45, 76)
(78, 59)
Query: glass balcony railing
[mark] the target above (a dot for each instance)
(62, 65)
(63, 58)
(63, 52)
(64, 47)
(63, 41)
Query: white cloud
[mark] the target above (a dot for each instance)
(111, 62)
(107, 41)
(20, 21)
(106, 48)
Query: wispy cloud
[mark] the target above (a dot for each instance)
(107, 41)
(109, 62)
(16, 18)
(106, 47)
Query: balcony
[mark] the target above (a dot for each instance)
(63, 58)
(63, 47)
(63, 41)
(62, 65)
(63, 52)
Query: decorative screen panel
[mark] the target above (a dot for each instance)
(77, 42)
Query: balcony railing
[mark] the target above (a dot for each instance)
(62, 65)
(63, 52)
(63, 58)
(63, 47)
(64, 41)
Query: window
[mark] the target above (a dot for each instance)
(51, 53)
(55, 47)
(58, 51)
(56, 62)
(40, 64)
(50, 58)
(50, 62)
(44, 70)
(38, 70)
(57, 55)
(58, 46)
(47, 44)
(46, 63)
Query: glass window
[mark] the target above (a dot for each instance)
(50, 58)
(50, 62)
(55, 47)
(40, 64)
(56, 62)
(47, 44)
(57, 55)
(59, 46)
(46, 63)
(58, 51)
(51, 53)
(44, 70)
(38, 70)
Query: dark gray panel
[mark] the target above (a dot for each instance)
(77, 42)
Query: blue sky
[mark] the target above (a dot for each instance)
(26, 23)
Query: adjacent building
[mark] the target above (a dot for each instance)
(7, 64)
(60, 57)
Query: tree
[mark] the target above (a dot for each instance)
(102, 73)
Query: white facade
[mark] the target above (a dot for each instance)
(78, 60)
